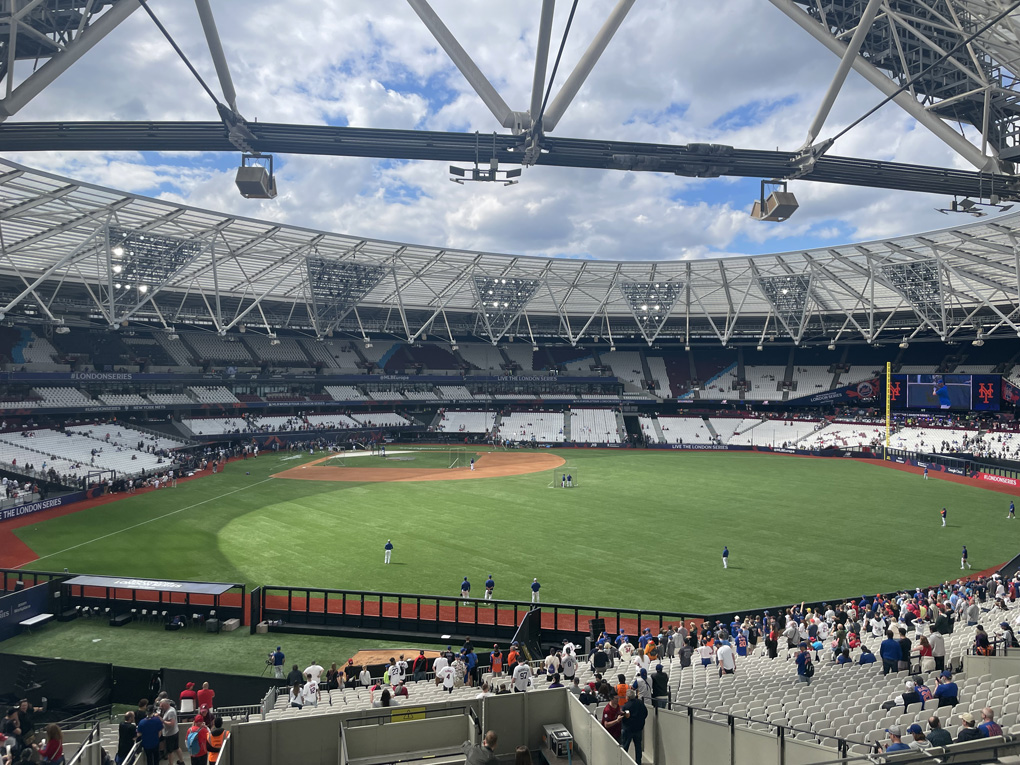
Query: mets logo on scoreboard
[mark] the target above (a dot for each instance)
(867, 389)
(985, 392)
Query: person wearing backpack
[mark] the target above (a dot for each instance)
(197, 740)
(216, 738)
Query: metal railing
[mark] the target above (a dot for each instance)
(88, 718)
(89, 743)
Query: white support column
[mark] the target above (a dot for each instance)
(463, 61)
(212, 37)
(849, 55)
(904, 100)
(587, 62)
(541, 57)
(62, 61)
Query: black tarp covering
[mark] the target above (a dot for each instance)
(69, 686)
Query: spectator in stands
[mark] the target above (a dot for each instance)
(943, 625)
(311, 691)
(890, 652)
(895, 742)
(483, 753)
(446, 675)
(938, 650)
(634, 714)
(938, 736)
(968, 732)
(982, 646)
(171, 732)
(205, 699)
(867, 657)
(385, 699)
(918, 739)
(726, 660)
(216, 738)
(127, 732)
(296, 696)
(199, 734)
(149, 730)
(295, 676)
(421, 665)
(988, 725)
(947, 691)
(332, 677)
(364, 678)
(905, 648)
(315, 670)
(611, 719)
(142, 712)
(350, 674)
(805, 669)
(660, 687)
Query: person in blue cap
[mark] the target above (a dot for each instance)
(465, 590)
(725, 557)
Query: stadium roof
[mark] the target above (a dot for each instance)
(78, 252)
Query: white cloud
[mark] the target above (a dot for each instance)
(741, 74)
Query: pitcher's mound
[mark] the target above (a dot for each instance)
(487, 465)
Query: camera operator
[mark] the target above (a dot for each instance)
(276, 660)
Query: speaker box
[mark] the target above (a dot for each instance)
(212, 625)
(597, 627)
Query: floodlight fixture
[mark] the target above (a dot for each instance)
(255, 179)
(775, 203)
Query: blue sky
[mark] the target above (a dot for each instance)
(737, 73)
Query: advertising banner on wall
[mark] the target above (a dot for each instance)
(21, 605)
(9, 513)
(864, 392)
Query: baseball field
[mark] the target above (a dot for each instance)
(640, 529)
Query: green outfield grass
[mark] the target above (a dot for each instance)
(643, 530)
(150, 647)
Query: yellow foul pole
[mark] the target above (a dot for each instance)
(888, 404)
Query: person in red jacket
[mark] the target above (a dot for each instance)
(202, 737)
(53, 752)
(205, 699)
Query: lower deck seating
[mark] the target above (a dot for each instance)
(543, 427)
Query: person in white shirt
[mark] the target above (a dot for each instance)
(365, 678)
(552, 662)
(522, 677)
(401, 670)
(485, 693)
(315, 670)
(296, 696)
(724, 656)
(569, 664)
(705, 653)
(311, 692)
(440, 663)
(446, 676)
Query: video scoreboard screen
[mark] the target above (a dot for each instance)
(948, 392)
